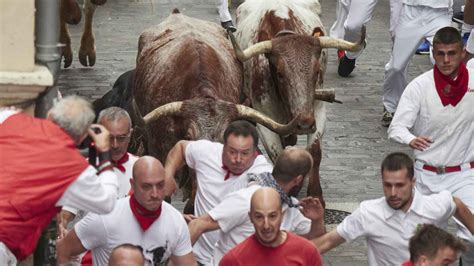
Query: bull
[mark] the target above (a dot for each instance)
(284, 68)
(188, 82)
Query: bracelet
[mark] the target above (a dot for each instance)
(105, 156)
(105, 166)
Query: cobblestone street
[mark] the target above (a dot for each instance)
(354, 143)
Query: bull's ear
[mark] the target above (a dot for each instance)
(317, 32)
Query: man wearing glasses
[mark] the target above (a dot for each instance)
(119, 124)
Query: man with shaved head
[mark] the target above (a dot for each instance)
(127, 255)
(231, 215)
(142, 219)
(270, 245)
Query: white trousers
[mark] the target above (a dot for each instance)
(223, 9)
(416, 23)
(352, 14)
(6, 256)
(461, 185)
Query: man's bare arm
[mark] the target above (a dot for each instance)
(328, 241)
(174, 161)
(185, 260)
(464, 215)
(201, 225)
(68, 247)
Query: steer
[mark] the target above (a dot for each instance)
(284, 67)
(188, 83)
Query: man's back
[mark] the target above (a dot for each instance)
(294, 251)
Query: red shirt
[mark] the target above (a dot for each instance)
(294, 251)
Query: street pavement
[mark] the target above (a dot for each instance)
(354, 143)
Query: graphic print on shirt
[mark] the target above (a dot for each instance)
(158, 254)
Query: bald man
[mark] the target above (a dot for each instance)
(270, 245)
(231, 215)
(127, 255)
(142, 219)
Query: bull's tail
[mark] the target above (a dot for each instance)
(175, 11)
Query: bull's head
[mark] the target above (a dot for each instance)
(207, 118)
(294, 61)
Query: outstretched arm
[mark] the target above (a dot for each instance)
(464, 215)
(328, 241)
(201, 225)
(313, 210)
(174, 161)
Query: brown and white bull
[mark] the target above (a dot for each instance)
(283, 45)
(188, 82)
(70, 13)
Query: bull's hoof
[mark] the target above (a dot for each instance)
(87, 56)
(67, 55)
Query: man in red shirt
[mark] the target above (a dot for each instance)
(434, 246)
(270, 245)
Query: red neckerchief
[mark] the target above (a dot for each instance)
(228, 172)
(457, 87)
(144, 217)
(408, 263)
(119, 163)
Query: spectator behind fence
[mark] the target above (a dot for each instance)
(270, 245)
(433, 246)
(41, 169)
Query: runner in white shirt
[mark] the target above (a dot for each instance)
(118, 123)
(388, 223)
(231, 215)
(220, 169)
(419, 19)
(439, 125)
(142, 219)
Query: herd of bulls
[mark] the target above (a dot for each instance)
(192, 79)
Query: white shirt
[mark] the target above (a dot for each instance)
(167, 236)
(205, 157)
(421, 113)
(124, 186)
(430, 3)
(388, 231)
(89, 192)
(235, 225)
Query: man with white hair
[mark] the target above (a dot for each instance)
(42, 169)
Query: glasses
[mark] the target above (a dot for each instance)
(119, 139)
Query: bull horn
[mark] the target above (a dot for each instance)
(327, 95)
(330, 42)
(164, 110)
(138, 115)
(258, 117)
(256, 49)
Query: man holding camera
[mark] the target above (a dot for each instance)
(42, 170)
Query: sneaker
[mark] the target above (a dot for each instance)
(346, 66)
(340, 54)
(387, 118)
(465, 37)
(458, 17)
(424, 48)
(229, 26)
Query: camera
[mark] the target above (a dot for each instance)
(88, 143)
